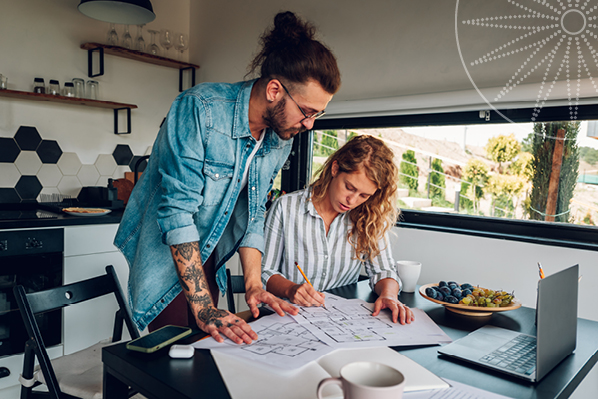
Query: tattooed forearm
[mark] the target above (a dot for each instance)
(187, 249)
(212, 315)
(202, 300)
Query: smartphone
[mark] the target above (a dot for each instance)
(158, 339)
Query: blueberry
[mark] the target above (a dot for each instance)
(442, 284)
(453, 286)
(451, 299)
(452, 282)
(457, 292)
(466, 292)
(445, 291)
(431, 292)
(466, 286)
(439, 296)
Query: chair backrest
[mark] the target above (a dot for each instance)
(33, 303)
(234, 285)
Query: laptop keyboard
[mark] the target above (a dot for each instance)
(518, 355)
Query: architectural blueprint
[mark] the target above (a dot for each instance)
(348, 323)
(282, 344)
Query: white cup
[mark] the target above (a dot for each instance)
(409, 273)
(367, 380)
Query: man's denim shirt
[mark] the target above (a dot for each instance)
(190, 191)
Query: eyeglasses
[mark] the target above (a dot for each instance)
(312, 116)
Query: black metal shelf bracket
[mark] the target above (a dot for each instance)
(128, 120)
(181, 77)
(90, 61)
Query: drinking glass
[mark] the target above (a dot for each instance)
(127, 39)
(3, 82)
(166, 39)
(153, 48)
(92, 89)
(112, 36)
(140, 42)
(181, 43)
(79, 85)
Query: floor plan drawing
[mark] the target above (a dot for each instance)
(349, 323)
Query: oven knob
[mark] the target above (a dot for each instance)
(33, 243)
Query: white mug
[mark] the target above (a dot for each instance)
(409, 274)
(367, 380)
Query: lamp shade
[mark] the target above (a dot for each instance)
(130, 12)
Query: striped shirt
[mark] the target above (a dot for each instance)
(295, 232)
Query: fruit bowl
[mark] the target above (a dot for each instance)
(469, 310)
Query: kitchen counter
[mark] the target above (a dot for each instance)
(62, 220)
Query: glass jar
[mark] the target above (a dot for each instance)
(3, 82)
(54, 88)
(69, 89)
(39, 86)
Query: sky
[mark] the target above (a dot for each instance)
(478, 135)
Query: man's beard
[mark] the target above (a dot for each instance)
(276, 119)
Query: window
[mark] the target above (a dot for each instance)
(534, 182)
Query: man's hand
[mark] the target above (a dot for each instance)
(257, 295)
(305, 295)
(216, 321)
(399, 311)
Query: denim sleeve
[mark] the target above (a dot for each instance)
(181, 159)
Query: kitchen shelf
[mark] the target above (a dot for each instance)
(137, 56)
(25, 95)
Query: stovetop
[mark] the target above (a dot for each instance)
(26, 214)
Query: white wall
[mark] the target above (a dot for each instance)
(40, 38)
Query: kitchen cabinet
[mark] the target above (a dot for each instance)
(87, 251)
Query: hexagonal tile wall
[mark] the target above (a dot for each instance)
(28, 163)
(105, 164)
(142, 164)
(122, 154)
(28, 138)
(49, 151)
(28, 187)
(49, 175)
(9, 196)
(69, 164)
(9, 175)
(9, 150)
(88, 175)
(70, 186)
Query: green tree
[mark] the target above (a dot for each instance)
(589, 155)
(409, 170)
(503, 189)
(543, 148)
(475, 175)
(523, 166)
(502, 149)
(437, 180)
(329, 142)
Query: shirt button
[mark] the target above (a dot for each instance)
(208, 246)
(325, 256)
(253, 188)
(252, 219)
(217, 175)
(238, 180)
(323, 273)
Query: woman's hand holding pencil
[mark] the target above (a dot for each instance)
(305, 294)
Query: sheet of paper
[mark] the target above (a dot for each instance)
(456, 391)
(348, 323)
(241, 377)
(282, 345)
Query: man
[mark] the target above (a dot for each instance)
(202, 196)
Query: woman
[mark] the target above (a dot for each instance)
(334, 227)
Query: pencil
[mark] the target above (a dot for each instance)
(540, 270)
(305, 277)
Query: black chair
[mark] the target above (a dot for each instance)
(80, 373)
(234, 285)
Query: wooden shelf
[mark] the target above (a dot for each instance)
(139, 56)
(25, 95)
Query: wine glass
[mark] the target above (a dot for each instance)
(153, 48)
(140, 42)
(127, 39)
(181, 43)
(166, 39)
(112, 36)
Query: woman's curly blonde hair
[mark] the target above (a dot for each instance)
(372, 219)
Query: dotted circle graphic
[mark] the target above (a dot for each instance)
(554, 39)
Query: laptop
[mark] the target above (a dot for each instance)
(522, 355)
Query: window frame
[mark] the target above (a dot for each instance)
(537, 232)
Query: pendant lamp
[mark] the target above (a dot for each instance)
(129, 12)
